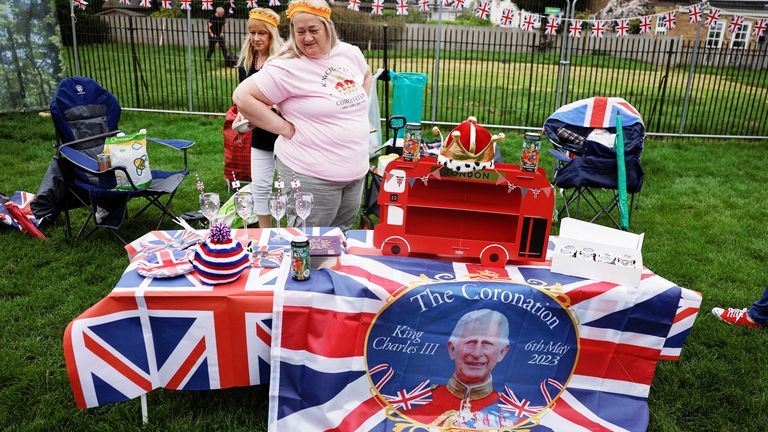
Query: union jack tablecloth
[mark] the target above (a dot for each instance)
(365, 346)
(175, 333)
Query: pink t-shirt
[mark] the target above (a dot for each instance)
(325, 101)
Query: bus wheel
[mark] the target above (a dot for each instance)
(494, 256)
(395, 246)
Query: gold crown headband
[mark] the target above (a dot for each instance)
(261, 16)
(300, 6)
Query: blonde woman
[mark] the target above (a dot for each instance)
(321, 86)
(262, 42)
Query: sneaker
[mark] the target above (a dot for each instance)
(737, 317)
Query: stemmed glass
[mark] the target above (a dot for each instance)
(277, 207)
(244, 207)
(209, 205)
(303, 202)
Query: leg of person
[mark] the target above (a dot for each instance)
(223, 46)
(351, 197)
(211, 47)
(759, 310)
(262, 173)
(754, 317)
(327, 197)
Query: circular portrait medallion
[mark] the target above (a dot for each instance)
(474, 355)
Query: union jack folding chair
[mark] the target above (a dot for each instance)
(84, 115)
(582, 134)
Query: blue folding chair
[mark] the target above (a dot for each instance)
(585, 167)
(84, 115)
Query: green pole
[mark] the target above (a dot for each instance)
(622, 170)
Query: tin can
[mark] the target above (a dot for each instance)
(531, 148)
(300, 258)
(587, 254)
(412, 142)
(105, 161)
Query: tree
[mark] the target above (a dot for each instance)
(623, 9)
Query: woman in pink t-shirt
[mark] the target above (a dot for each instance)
(321, 86)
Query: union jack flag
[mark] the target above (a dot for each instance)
(170, 240)
(164, 263)
(82, 4)
(267, 256)
(645, 25)
(713, 17)
(518, 407)
(574, 30)
(736, 22)
(167, 4)
(553, 23)
(377, 7)
(423, 5)
(207, 5)
(622, 27)
(759, 28)
(670, 20)
(16, 212)
(174, 333)
(598, 29)
(125, 2)
(250, 4)
(694, 13)
(447, 3)
(145, 3)
(598, 112)
(529, 21)
(458, 5)
(186, 5)
(274, 2)
(354, 5)
(402, 7)
(506, 17)
(618, 350)
(483, 10)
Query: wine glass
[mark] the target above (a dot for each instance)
(209, 205)
(244, 207)
(303, 202)
(277, 207)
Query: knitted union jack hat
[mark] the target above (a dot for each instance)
(220, 259)
(469, 147)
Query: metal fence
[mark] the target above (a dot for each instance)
(507, 78)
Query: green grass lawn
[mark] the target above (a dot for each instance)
(703, 211)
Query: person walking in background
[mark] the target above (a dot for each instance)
(216, 26)
(754, 317)
(262, 42)
(321, 86)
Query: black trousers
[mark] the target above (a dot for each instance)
(212, 41)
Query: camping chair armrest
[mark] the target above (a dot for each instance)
(175, 144)
(83, 161)
(90, 138)
(562, 157)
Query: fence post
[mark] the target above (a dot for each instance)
(438, 42)
(567, 62)
(189, 58)
(664, 80)
(690, 76)
(74, 37)
(562, 61)
(386, 83)
(131, 30)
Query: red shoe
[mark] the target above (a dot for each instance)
(737, 317)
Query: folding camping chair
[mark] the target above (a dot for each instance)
(84, 115)
(583, 136)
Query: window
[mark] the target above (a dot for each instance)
(661, 27)
(740, 39)
(715, 35)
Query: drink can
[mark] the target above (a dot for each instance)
(300, 258)
(531, 148)
(105, 161)
(412, 142)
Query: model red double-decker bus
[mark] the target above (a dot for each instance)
(472, 214)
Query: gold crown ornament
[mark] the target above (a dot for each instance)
(469, 147)
(256, 14)
(302, 6)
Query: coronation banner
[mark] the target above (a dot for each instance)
(404, 344)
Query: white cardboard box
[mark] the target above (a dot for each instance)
(602, 239)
